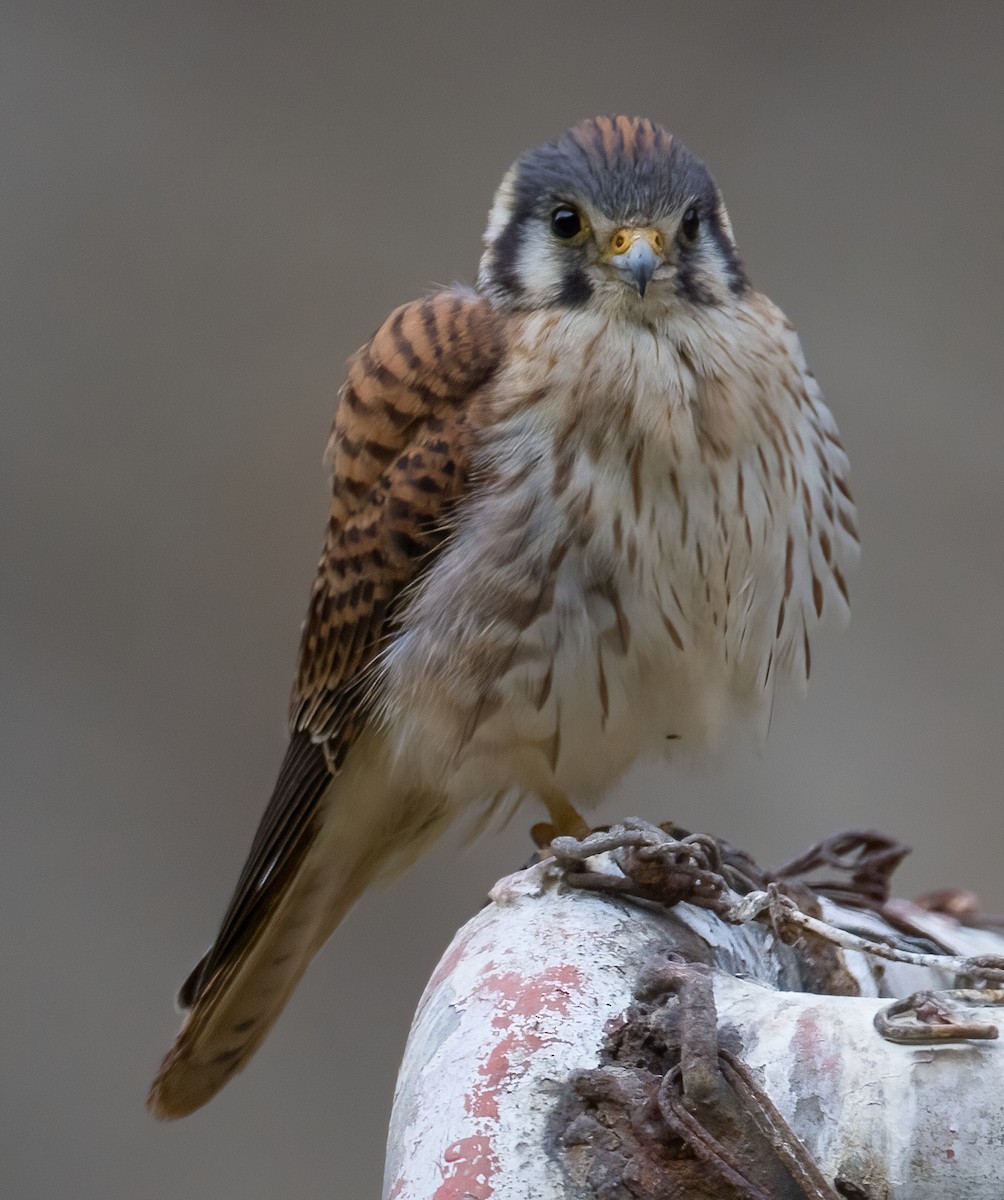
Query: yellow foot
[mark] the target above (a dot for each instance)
(565, 821)
(543, 834)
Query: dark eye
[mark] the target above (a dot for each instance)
(565, 222)
(690, 224)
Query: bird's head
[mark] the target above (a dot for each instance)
(615, 214)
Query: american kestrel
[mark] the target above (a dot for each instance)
(588, 510)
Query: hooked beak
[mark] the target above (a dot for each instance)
(636, 254)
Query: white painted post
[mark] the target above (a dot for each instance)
(526, 991)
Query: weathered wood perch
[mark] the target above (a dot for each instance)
(649, 1015)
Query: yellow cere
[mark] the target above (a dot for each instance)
(623, 239)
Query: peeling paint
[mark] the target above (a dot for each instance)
(469, 1167)
(525, 1005)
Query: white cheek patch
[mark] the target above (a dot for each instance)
(501, 209)
(726, 221)
(539, 268)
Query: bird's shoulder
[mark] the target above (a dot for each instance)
(417, 374)
(399, 457)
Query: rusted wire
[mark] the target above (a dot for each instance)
(698, 1138)
(658, 867)
(787, 1146)
(868, 857)
(933, 1020)
(690, 1093)
(678, 1112)
(697, 1029)
(785, 914)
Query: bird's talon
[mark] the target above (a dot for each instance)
(543, 834)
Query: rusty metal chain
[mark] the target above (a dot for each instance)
(654, 865)
(690, 1097)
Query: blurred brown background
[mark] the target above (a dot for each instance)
(204, 209)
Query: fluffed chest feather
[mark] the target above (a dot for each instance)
(615, 581)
